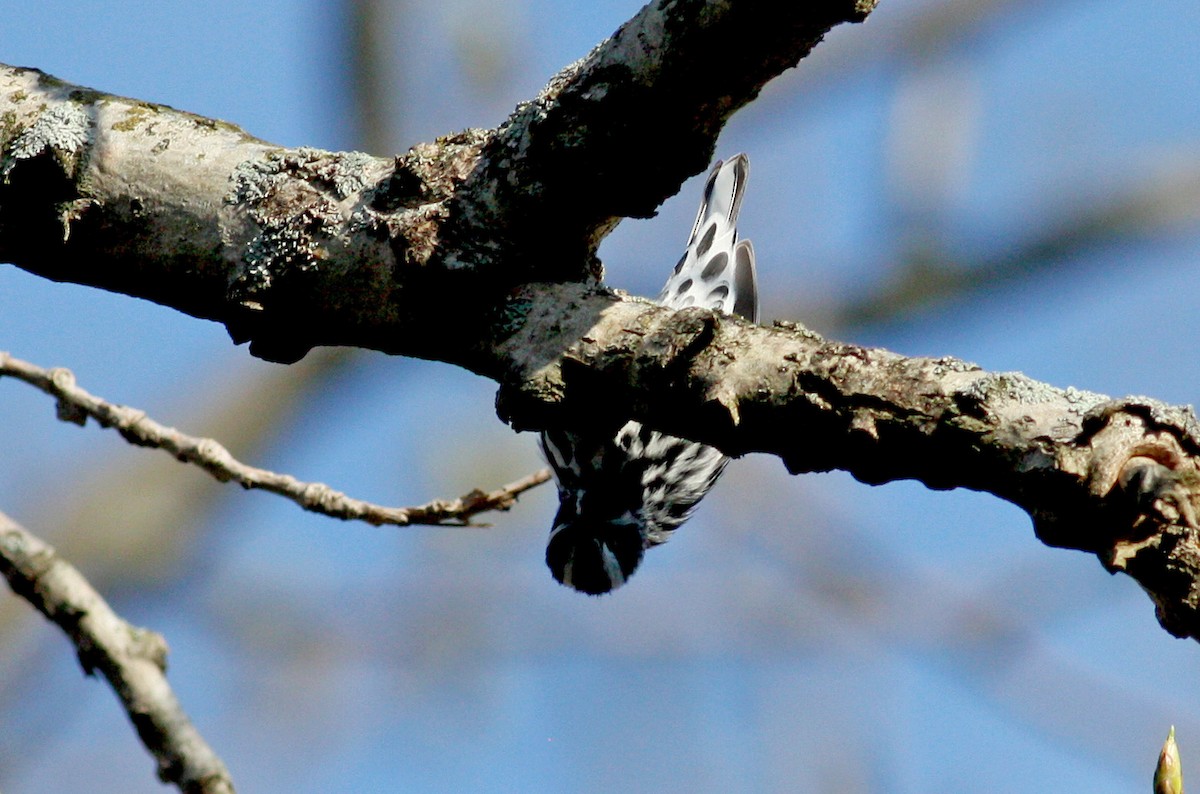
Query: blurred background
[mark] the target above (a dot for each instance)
(1012, 182)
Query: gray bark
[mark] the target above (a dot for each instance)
(132, 659)
(479, 249)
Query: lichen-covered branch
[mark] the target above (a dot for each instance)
(132, 659)
(1118, 478)
(479, 249)
(77, 405)
(292, 248)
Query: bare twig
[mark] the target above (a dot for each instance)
(77, 405)
(132, 659)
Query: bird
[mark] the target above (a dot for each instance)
(623, 492)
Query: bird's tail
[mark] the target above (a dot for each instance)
(716, 270)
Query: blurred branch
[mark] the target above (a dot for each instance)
(1168, 199)
(931, 29)
(159, 542)
(373, 85)
(996, 633)
(133, 660)
(77, 405)
(933, 38)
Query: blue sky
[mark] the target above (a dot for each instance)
(801, 633)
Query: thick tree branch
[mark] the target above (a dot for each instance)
(449, 252)
(1117, 478)
(615, 134)
(294, 248)
(78, 405)
(133, 660)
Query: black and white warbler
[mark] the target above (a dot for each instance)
(621, 493)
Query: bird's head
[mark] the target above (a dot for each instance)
(594, 555)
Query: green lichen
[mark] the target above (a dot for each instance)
(134, 116)
(49, 81)
(85, 96)
(1009, 387)
(216, 125)
(511, 317)
(292, 223)
(9, 128)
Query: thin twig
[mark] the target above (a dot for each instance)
(132, 659)
(77, 405)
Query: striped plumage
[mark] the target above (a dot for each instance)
(621, 493)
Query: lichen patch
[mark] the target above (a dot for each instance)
(63, 129)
